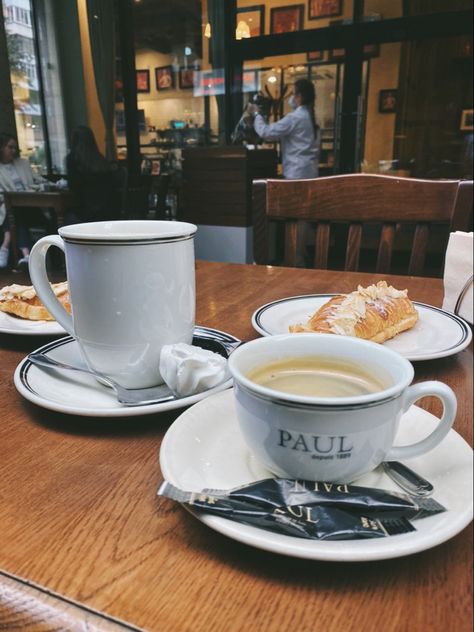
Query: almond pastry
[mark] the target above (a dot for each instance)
(22, 301)
(377, 313)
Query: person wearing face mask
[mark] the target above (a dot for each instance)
(297, 132)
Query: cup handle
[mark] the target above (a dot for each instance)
(39, 278)
(413, 393)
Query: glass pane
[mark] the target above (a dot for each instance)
(381, 9)
(24, 80)
(50, 71)
(328, 82)
(419, 115)
(176, 84)
(275, 80)
(280, 16)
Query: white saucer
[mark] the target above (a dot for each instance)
(14, 325)
(203, 448)
(81, 394)
(437, 333)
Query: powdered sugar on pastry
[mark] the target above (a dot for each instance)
(344, 316)
(377, 312)
(22, 301)
(28, 292)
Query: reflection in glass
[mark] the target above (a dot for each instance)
(276, 84)
(416, 109)
(24, 80)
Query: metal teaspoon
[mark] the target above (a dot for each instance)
(407, 479)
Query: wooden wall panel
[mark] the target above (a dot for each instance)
(217, 183)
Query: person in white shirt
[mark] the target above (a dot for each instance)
(297, 132)
(299, 136)
(16, 174)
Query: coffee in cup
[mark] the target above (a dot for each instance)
(318, 376)
(132, 291)
(323, 407)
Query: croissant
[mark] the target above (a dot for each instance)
(22, 301)
(377, 313)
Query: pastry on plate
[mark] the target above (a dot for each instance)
(377, 312)
(22, 301)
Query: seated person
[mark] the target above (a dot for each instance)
(94, 179)
(16, 174)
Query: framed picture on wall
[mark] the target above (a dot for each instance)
(371, 50)
(388, 101)
(187, 78)
(143, 80)
(318, 9)
(250, 21)
(467, 121)
(337, 54)
(164, 77)
(286, 19)
(316, 55)
(250, 81)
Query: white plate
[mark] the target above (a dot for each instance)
(204, 448)
(436, 334)
(13, 325)
(81, 394)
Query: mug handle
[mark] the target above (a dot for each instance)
(413, 393)
(39, 278)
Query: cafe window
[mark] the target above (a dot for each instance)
(34, 72)
(275, 84)
(175, 83)
(416, 112)
(374, 115)
(22, 16)
(197, 71)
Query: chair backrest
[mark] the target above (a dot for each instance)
(356, 200)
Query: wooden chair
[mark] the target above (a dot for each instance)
(356, 200)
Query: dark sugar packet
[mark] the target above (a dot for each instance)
(314, 523)
(282, 492)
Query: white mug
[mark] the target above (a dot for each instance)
(334, 439)
(132, 290)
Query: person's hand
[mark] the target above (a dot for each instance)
(252, 109)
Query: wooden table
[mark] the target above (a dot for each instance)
(84, 539)
(60, 201)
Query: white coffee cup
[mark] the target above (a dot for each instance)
(334, 439)
(132, 290)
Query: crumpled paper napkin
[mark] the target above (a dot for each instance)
(188, 370)
(458, 272)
